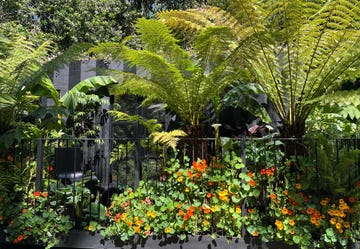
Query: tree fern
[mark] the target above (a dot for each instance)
(296, 50)
(185, 80)
(24, 70)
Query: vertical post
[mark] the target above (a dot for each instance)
(243, 158)
(107, 135)
(39, 164)
(137, 155)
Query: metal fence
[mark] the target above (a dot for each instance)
(85, 173)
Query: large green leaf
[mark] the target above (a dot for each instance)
(243, 97)
(46, 88)
(70, 101)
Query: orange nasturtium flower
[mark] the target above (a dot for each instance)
(137, 229)
(309, 210)
(252, 183)
(291, 222)
(207, 210)
(44, 194)
(190, 174)
(279, 225)
(284, 210)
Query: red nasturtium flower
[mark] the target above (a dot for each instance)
(117, 217)
(50, 168)
(201, 166)
(352, 199)
(37, 193)
(186, 217)
(190, 175)
(252, 183)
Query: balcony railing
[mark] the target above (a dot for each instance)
(83, 174)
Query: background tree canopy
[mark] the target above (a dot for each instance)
(69, 21)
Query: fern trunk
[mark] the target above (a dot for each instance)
(295, 130)
(194, 144)
(293, 143)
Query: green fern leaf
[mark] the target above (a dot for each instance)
(169, 139)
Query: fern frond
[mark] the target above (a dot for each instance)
(152, 124)
(168, 139)
(193, 21)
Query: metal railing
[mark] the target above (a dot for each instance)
(84, 173)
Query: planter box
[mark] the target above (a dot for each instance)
(84, 240)
(81, 239)
(2, 234)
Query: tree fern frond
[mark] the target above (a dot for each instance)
(193, 21)
(168, 139)
(109, 50)
(156, 37)
(155, 65)
(213, 45)
(152, 124)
